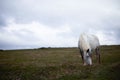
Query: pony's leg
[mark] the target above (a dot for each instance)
(81, 53)
(98, 55)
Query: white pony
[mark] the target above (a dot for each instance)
(86, 44)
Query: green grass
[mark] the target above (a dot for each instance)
(58, 64)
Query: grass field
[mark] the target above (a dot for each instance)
(58, 64)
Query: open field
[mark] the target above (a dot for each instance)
(58, 64)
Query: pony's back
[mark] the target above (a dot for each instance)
(93, 41)
(88, 41)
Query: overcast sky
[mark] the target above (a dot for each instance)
(57, 23)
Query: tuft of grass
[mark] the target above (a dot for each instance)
(58, 64)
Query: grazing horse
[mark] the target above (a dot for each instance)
(88, 43)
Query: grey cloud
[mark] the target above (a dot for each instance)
(49, 12)
(24, 12)
(2, 21)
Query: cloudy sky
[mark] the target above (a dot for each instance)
(57, 23)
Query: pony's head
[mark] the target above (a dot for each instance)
(88, 58)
